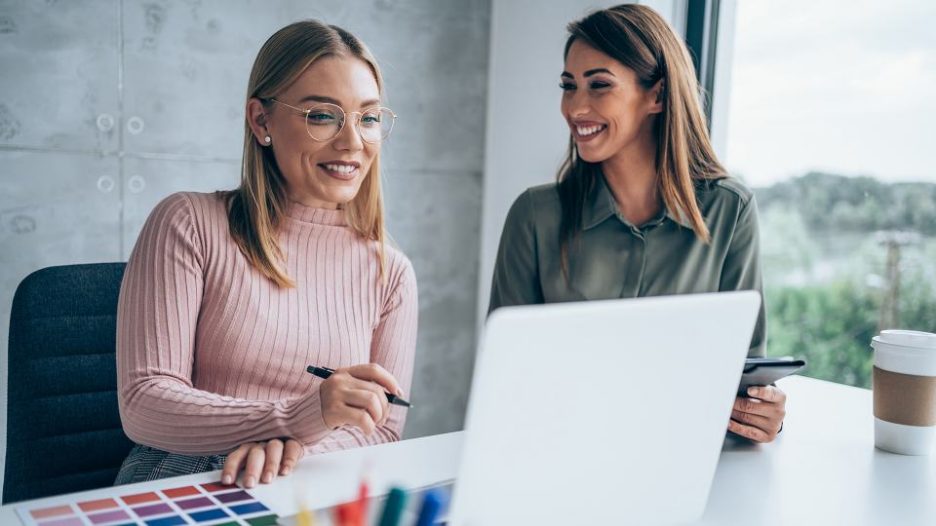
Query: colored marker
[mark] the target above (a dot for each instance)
(347, 514)
(362, 501)
(305, 517)
(431, 507)
(325, 372)
(393, 508)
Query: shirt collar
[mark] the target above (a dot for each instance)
(600, 206)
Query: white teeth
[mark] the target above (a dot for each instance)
(340, 168)
(589, 130)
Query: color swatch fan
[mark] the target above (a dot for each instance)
(212, 504)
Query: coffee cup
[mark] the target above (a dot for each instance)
(904, 390)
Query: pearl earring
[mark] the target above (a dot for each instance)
(267, 139)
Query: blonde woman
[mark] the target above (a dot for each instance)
(642, 206)
(228, 297)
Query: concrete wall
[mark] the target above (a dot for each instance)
(107, 106)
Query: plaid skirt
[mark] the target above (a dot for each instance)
(147, 463)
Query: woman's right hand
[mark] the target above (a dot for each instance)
(356, 396)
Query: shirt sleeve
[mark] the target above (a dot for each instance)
(516, 273)
(742, 269)
(394, 348)
(157, 313)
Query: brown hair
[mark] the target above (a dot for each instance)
(639, 38)
(256, 208)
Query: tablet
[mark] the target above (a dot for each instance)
(765, 371)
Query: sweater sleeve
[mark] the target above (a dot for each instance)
(394, 348)
(157, 313)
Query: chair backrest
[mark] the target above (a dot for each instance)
(63, 427)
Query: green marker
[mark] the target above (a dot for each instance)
(393, 508)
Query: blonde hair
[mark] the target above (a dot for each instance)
(257, 207)
(640, 39)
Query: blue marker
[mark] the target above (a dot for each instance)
(431, 507)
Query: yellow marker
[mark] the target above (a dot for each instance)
(305, 517)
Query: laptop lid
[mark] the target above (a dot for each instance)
(601, 412)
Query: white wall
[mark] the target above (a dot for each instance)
(526, 136)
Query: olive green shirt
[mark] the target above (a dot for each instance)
(612, 258)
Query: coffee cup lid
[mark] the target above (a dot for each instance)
(918, 339)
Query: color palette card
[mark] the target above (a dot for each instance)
(213, 504)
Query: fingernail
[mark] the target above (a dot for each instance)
(250, 481)
(285, 471)
(226, 480)
(267, 477)
(752, 391)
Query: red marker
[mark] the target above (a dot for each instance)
(347, 515)
(354, 513)
(362, 501)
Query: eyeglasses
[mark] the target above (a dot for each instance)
(325, 121)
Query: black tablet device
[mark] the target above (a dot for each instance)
(765, 371)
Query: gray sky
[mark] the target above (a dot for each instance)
(842, 86)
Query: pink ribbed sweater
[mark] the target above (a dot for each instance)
(211, 354)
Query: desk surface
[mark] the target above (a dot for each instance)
(823, 469)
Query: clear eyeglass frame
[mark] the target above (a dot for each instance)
(366, 132)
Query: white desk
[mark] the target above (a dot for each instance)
(823, 469)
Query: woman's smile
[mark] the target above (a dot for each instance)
(585, 131)
(342, 170)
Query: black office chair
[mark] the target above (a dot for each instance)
(63, 428)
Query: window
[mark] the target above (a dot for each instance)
(831, 121)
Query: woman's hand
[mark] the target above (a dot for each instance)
(760, 417)
(261, 461)
(357, 396)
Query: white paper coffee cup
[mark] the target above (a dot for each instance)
(904, 385)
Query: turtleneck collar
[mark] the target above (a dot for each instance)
(319, 216)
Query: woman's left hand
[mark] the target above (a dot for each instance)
(759, 417)
(262, 461)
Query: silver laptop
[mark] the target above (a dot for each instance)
(603, 412)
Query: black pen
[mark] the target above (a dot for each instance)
(325, 372)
